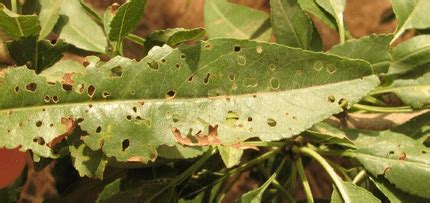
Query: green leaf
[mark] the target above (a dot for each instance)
(402, 160)
(313, 8)
(223, 19)
(88, 162)
(364, 48)
(327, 134)
(335, 8)
(76, 27)
(292, 26)
(412, 88)
(126, 19)
(48, 16)
(58, 71)
(355, 193)
(18, 26)
(97, 18)
(172, 37)
(37, 55)
(410, 14)
(230, 155)
(394, 195)
(174, 96)
(410, 54)
(180, 152)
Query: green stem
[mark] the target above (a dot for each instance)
(400, 109)
(292, 180)
(136, 39)
(336, 179)
(238, 169)
(305, 182)
(264, 144)
(14, 5)
(373, 100)
(275, 183)
(359, 177)
(186, 173)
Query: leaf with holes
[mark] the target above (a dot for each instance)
(82, 32)
(292, 26)
(224, 19)
(172, 37)
(410, 54)
(17, 26)
(402, 160)
(218, 92)
(364, 47)
(126, 19)
(355, 194)
(410, 14)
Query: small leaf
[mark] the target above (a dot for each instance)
(230, 155)
(394, 195)
(313, 8)
(224, 19)
(76, 27)
(336, 9)
(410, 14)
(180, 152)
(126, 19)
(18, 26)
(292, 26)
(355, 193)
(364, 48)
(410, 54)
(172, 37)
(48, 16)
(37, 55)
(327, 134)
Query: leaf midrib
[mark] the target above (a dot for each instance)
(291, 25)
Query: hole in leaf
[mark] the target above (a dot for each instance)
(99, 129)
(259, 49)
(231, 115)
(116, 71)
(47, 98)
(183, 56)
(249, 119)
(129, 117)
(232, 76)
(178, 65)
(153, 65)
(39, 124)
(106, 94)
(206, 80)
(163, 60)
(55, 99)
(331, 99)
(208, 45)
(271, 122)
(191, 78)
(424, 152)
(16, 89)
(135, 109)
(31, 87)
(91, 90)
(237, 48)
(272, 67)
(171, 94)
(67, 87)
(79, 120)
(132, 92)
(39, 140)
(125, 144)
(343, 103)
(391, 152)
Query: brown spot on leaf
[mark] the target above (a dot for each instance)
(386, 170)
(69, 124)
(136, 159)
(402, 156)
(199, 139)
(67, 79)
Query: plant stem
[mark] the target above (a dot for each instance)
(136, 39)
(238, 169)
(275, 183)
(186, 173)
(264, 144)
(373, 100)
(359, 177)
(292, 181)
(400, 109)
(336, 179)
(14, 5)
(305, 183)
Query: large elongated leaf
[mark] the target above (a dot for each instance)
(126, 19)
(402, 160)
(410, 54)
(130, 108)
(172, 37)
(292, 26)
(364, 48)
(48, 16)
(223, 19)
(313, 8)
(410, 14)
(81, 31)
(18, 26)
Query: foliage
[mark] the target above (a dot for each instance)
(185, 121)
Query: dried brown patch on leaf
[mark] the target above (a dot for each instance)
(200, 139)
(70, 125)
(402, 156)
(67, 79)
(40, 185)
